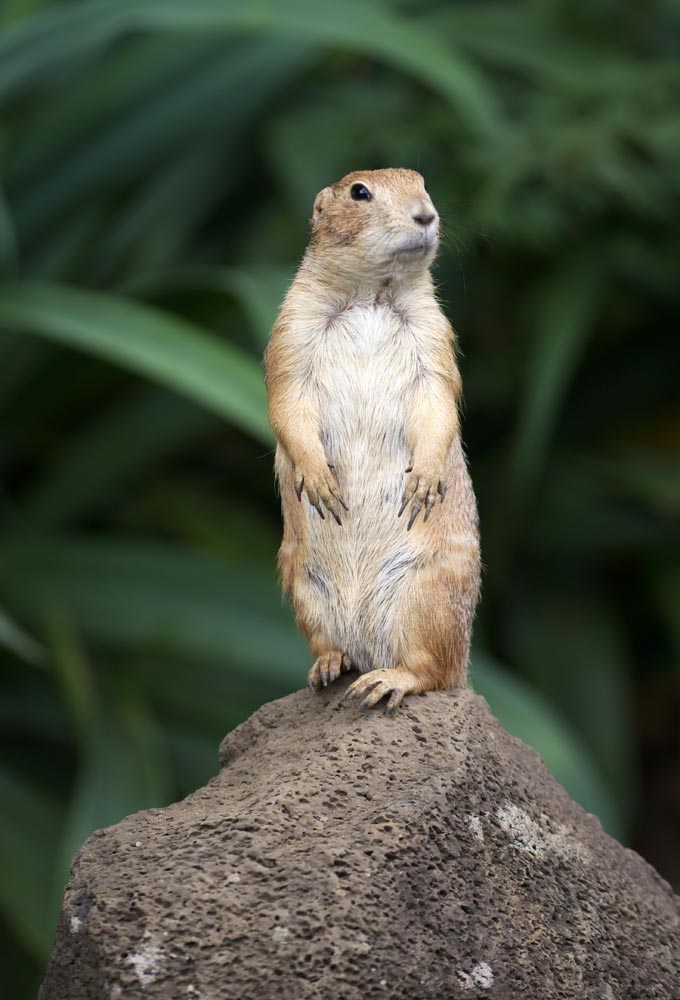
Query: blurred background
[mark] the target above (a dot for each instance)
(158, 163)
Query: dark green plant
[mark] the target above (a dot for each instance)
(158, 161)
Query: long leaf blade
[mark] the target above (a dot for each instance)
(126, 440)
(359, 26)
(147, 341)
(144, 596)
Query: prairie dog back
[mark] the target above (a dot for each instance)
(380, 551)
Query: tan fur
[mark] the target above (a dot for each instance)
(363, 394)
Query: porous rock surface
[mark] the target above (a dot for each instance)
(347, 855)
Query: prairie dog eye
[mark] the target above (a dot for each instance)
(360, 192)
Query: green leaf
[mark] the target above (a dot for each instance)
(193, 755)
(649, 478)
(30, 712)
(161, 127)
(204, 696)
(151, 230)
(29, 826)
(258, 290)
(75, 673)
(19, 642)
(14, 10)
(585, 515)
(36, 44)
(66, 248)
(524, 713)
(371, 30)
(575, 630)
(8, 241)
(522, 40)
(170, 350)
(124, 768)
(121, 80)
(566, 306)
(142, 596)
(128, 440)
(666, 591)
(227, 527)
(19, 361)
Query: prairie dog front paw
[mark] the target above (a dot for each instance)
(423, 485)
(317, 481)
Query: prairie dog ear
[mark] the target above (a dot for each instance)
(321, 201)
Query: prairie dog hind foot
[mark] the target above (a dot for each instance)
(376, 684)
(328, 668)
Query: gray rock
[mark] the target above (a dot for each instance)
(344, 855)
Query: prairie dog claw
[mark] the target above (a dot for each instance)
(328, 668)
(421, 490)
(376, 684)
(321, 488)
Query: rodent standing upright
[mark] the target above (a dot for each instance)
(363, 394)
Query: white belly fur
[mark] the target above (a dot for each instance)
(365, 371)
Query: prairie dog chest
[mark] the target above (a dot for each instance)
(365, 370)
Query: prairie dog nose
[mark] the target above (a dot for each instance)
(423, 213)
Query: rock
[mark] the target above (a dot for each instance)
(344, 855)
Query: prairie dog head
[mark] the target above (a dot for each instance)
(374, 225)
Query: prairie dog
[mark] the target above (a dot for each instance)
(380, 551)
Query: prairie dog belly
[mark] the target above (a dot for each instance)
(365, 380)
(365, 372)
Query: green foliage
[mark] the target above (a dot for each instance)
(158, 161)
(160, 346)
